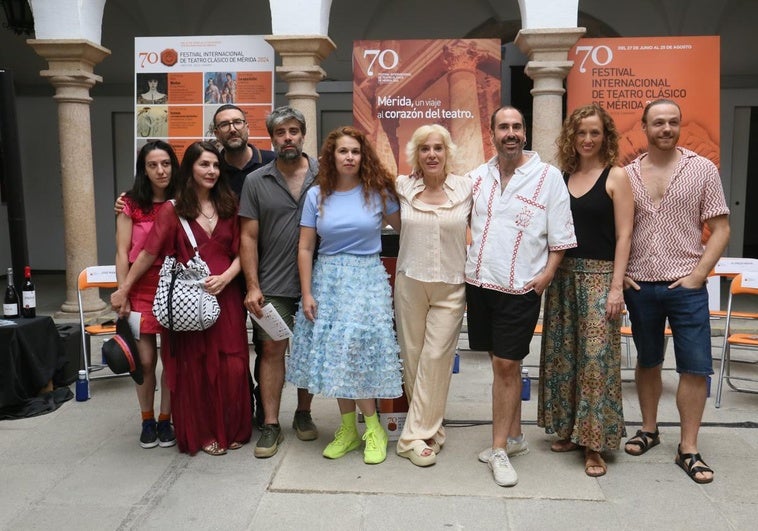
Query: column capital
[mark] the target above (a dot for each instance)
(71, 65)
(550, 44)
(548, 76)
(301, 50)
(69, 56)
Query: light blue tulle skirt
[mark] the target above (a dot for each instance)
(350, 351)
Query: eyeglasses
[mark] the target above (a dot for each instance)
(226, 126)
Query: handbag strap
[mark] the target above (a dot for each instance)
(187, 230)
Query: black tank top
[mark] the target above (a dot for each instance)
(593, 222)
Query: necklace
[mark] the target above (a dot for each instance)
(206, 216)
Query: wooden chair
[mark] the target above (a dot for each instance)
(742, 341)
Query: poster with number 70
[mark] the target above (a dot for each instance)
(624, 74)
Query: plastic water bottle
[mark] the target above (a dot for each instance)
(82, 387)
(526, 385)
(456, 363)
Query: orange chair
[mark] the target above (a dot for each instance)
(729, 273)
(95, 277)
(742, 341)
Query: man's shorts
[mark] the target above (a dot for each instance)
(501, 323)
(688, 317)
(286, 306)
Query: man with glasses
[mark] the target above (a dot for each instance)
(271, 204)
(239, 158)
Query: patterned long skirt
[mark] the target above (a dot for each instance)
(580, 368)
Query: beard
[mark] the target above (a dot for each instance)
(235, 144)
(510, 155)
(289, 154)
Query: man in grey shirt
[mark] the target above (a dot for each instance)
(270, 207)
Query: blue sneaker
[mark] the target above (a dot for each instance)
(166, 437)
(149, 437)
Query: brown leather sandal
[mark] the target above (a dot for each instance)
(594, 460)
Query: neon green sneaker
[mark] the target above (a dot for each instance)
(376, 446)
(346, 439)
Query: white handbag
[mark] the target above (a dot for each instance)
(181, 302)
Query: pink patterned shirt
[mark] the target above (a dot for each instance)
(513, 232)
(666, 239)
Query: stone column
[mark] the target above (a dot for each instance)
(462, 61)
(301, 69)
(548, 66)
(70, 71)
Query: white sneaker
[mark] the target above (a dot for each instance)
(513, 448)
(502, 471)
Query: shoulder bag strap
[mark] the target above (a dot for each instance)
(187, 230)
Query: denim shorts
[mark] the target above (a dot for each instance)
(688, 318)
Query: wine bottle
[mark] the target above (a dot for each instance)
(28, 295)
(10, 302)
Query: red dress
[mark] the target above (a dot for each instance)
(207, 371)
(142, 294)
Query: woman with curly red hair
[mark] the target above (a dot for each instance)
(344, 345)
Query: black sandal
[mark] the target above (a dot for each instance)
(688, 463)
(644, 440)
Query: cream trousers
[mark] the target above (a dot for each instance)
(428, 318)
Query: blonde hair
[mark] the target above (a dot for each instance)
(419, 137)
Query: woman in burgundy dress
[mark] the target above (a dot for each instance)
(206, 371)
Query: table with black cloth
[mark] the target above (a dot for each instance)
(30, 353)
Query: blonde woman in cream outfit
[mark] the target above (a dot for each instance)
(429, 286)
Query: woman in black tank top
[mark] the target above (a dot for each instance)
(580, 369)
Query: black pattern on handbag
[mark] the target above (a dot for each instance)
(181, 302)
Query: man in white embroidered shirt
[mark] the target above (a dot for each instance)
(676, 192)
(520, 226)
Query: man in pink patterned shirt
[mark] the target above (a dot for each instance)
(676, 191)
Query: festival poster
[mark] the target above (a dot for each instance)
(399, 85)
(624, 74)
(180, 82)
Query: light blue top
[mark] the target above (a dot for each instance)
(345, 223)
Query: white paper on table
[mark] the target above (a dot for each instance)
(273, 323)
(750, 280)
(134, 321)
(727, 265)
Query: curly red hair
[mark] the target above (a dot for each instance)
(374, 176)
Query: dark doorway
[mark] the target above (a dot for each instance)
(750, 241)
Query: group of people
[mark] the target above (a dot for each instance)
(306, 237)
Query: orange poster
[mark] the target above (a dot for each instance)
(401, 85)
(625, 74)
(185, 88)
(180, 82)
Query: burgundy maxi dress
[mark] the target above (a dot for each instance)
(207, 371)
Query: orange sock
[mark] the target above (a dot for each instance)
(147, 415)
(164, 416)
